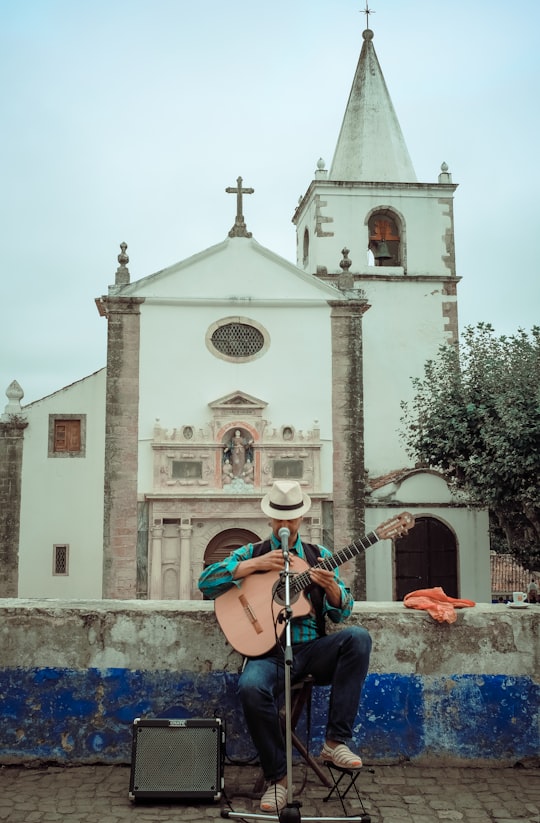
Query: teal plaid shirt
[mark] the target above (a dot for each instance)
(219, 577)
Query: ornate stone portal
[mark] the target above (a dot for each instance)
(208, 482)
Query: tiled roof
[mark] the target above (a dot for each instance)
(384, 479)
(508, 575)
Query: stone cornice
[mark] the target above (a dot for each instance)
(118, 304)
(343, 187)
(349, 306)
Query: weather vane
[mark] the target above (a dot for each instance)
(367, 11)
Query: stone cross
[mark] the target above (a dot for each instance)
(239, 229)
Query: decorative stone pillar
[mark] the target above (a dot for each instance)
(12, 426)
(170, 562)
(197, 566)
(155, 563)
(348, 431)
(186, 530)
(315, 530)
(121, 444)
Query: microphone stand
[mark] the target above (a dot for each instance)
(291, 812)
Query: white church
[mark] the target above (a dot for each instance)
(127, 482)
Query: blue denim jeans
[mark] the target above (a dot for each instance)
(340, 660)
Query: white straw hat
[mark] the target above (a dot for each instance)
(285, 501)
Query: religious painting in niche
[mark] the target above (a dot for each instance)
(237, 470)
(384, 238)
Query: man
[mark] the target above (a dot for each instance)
(340, 659)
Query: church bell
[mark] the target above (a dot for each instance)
(382, 252)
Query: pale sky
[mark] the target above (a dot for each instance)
(125, 120)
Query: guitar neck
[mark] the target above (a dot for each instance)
(303, 580)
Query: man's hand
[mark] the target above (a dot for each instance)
(270, 562)
(327, 581)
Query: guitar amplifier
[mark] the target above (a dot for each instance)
(177, 759)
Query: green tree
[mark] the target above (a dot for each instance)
(476, 417)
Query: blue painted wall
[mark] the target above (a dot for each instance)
(83, 716)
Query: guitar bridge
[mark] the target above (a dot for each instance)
(250, 614)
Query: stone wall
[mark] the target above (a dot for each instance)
(75, 674)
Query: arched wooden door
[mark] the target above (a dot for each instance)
(225, 542)
(426, 557)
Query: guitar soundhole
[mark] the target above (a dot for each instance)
(278, 592)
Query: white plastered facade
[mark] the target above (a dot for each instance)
(62, 495)
(190, 399)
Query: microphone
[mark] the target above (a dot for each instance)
(284, 535)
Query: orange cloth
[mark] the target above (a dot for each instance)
(439, 605)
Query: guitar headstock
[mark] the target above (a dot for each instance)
(395, 527)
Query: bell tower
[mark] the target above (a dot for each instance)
(398, 235)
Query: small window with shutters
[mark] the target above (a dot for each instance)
(67, 435)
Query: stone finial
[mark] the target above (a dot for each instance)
(14, 394)
(122, 272)
(321, 173)
(345, 263)
(445, 176)
(345, 280)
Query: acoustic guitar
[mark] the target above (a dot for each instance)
(249, 613)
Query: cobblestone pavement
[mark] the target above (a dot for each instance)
(390, 794)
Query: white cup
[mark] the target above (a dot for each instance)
(519, 597)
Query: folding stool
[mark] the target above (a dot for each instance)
(338, 775)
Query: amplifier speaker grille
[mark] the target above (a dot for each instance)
(177, 758)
